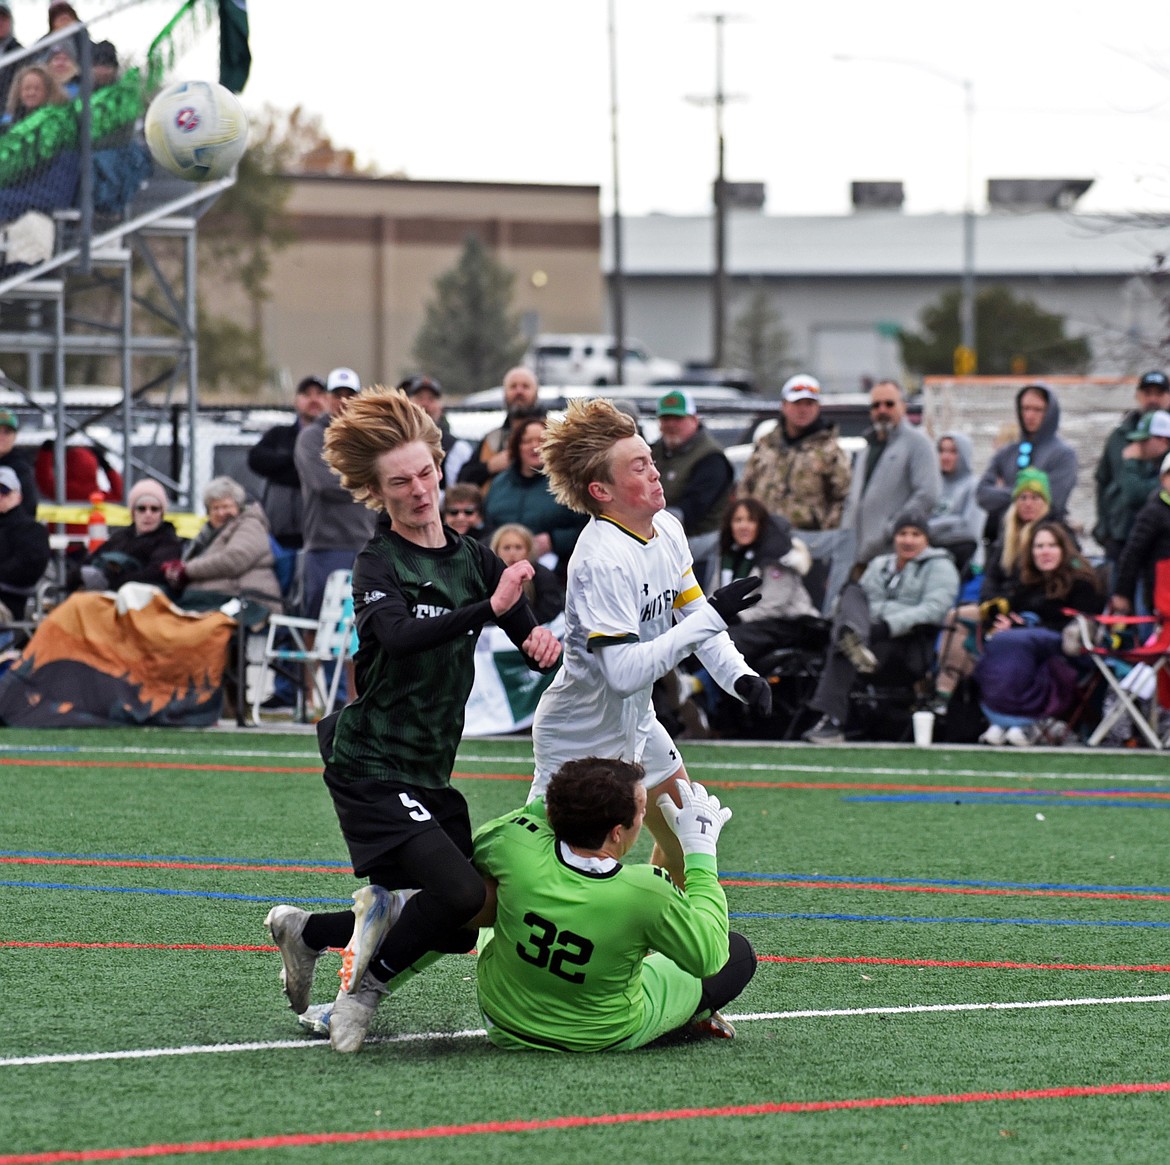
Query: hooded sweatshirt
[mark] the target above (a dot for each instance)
(957, 516)
(1048, 452)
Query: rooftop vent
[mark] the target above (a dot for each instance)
(876, 195)
(1035, 193)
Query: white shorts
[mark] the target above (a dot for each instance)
(659, 756)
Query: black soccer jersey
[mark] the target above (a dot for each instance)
(419, 612)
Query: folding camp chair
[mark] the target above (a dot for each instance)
(333, 642)
(1096, 635)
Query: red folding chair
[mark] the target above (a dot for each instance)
(1100, 641)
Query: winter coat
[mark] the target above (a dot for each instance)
(905, 477)
(235, 559)
(330, 518)
(1049, 453)
(529, 502)
(1147, 545)
(24, 557)
(921, 593)
(132, 557)
(957, 517)
(697, 480)
(273, 458)
(1032, 601)
(775, 558)
(1124, 485)
(29, 494)
(806, 478)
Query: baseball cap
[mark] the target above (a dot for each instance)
(9, 420)
(6, 9)
(676, 404)
(310, 382)
(104, 53)
(413, 385)
(801, 387)
(1155, 424)
(1156, 380)
(9, 482)
(343, 378)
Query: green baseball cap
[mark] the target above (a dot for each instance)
(676, 404)
(9, 420)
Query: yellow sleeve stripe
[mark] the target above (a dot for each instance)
(688, 596)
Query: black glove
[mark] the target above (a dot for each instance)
(728, 601)
(756, 693)
(879, 631)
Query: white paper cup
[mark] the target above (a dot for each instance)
(923, 729)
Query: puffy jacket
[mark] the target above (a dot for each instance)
(806, 478)
(922, 592)
(529, 501)
(236, 559)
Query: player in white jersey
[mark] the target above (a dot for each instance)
(633, 612)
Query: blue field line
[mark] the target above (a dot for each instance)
(307, 862)
(177, 893)
(976, 882)
(1045, 799)
(928, 918)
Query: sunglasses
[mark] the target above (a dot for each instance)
(466, 511)
(148, 509)
(1024, 459)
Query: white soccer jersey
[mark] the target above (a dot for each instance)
(625, 589)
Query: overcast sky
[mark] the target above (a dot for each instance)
(518, 90)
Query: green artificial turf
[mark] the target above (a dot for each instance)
(891, 895)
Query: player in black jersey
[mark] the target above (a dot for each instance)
(422, 594)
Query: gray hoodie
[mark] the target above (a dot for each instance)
(957, 516)
(1048, 452)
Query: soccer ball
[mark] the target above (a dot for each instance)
(196, 130)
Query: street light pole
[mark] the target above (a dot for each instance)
(617, 279)
(966, 354)
(719, 283)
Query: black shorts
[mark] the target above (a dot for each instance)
(377, 817)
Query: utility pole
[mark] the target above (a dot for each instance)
(617, 287)
(719, 282)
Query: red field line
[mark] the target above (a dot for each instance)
(863, 960)
(873, 786)
(784, 1108)
(752, 883)
(995, 964)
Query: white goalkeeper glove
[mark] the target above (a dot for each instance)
(698, 822)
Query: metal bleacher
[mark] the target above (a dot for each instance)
(144, 260)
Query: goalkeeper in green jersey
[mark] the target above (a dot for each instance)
(568, 967)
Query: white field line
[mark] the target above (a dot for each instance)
(525, 760)
(470, 1033)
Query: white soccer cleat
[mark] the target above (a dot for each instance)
(375, 910)
(286, 924)
(316, 1018)
(351, 1013)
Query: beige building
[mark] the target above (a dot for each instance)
(353, 288)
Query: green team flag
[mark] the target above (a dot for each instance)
(235, 57)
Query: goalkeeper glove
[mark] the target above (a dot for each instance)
(698, 822)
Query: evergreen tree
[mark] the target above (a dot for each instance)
(760, 343)
(1014, 337)
(470, 337)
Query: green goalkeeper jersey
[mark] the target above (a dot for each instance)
(564, 967)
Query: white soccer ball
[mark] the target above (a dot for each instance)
(197, 130)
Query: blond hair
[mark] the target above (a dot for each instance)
(513, 530)
(376, 421)
(1018, 533)
(578, 450)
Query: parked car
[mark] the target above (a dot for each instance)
(573, 358)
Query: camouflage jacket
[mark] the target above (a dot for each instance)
(806, 480)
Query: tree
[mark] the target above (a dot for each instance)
(1014, 337)
(760, 343)
(469, 337)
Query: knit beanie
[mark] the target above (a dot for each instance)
(147, 488)
(1034, 480)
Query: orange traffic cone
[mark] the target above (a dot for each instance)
(98, 531)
